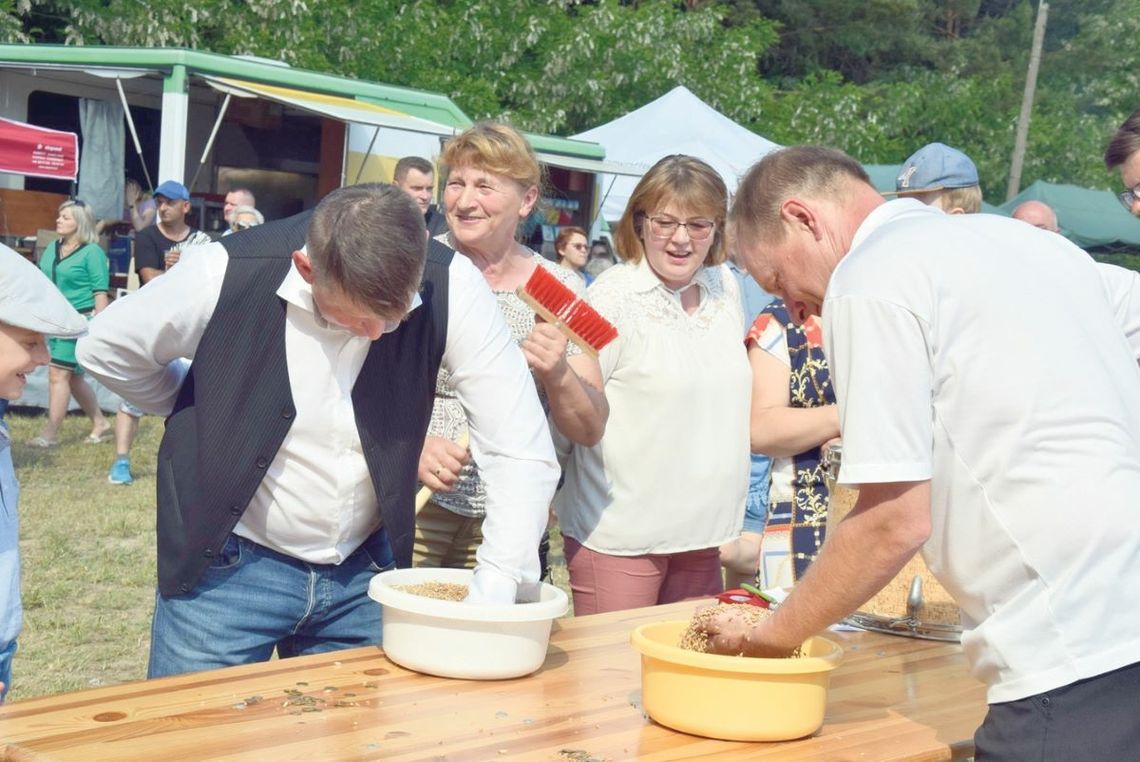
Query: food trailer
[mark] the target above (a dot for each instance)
(215, 122)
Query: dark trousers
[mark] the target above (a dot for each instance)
(1095, 720)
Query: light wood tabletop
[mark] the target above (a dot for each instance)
(892, 698)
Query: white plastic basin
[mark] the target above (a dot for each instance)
(465, 640)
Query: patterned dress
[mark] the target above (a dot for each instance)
(448, 418)
(798, 497)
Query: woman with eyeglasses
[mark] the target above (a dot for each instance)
(78, 267)
(492, 184)
(644, 511)
(572, 248)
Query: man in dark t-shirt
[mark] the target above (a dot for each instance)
(158, 247)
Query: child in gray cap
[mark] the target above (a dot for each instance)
(31, 309)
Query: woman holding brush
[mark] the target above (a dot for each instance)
(492, 184)
(644, 511)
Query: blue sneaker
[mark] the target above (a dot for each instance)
(121, 472)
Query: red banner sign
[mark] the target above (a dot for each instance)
(39, 152)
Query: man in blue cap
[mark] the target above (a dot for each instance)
(938, 175)
(157, 247)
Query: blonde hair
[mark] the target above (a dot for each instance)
(685, 181)
(84, 220)
(496, 148)
(968, 199)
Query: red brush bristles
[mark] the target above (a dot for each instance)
(558, 305)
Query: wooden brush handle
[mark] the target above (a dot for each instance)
(425, 493)
(553, 319)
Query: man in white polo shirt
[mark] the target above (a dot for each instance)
(989, 402)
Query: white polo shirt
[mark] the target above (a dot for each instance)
(989, 357)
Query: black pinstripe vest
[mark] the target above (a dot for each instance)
(235, 407)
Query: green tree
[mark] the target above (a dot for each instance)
(877, 78)
(548, 65)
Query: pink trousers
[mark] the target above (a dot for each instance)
(602, 582)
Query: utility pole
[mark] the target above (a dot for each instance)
(1027, 102)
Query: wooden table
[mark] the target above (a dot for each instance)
(892, 698)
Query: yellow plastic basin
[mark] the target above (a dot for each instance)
(733, 698)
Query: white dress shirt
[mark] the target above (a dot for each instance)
(317, 501)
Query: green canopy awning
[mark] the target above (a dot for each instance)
(1088, 218)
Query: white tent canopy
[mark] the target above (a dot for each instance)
(677, 122)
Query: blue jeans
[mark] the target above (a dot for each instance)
(6, 654)
(253, 599)
(759, 484)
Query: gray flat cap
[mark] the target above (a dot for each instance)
(28, 299)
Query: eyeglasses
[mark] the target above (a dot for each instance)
(578, 246)
(1129, 197)
(664, 226)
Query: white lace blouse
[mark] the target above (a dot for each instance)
(671, 472)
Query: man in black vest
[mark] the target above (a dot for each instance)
(287, 473)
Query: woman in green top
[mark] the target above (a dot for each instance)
(78, 267)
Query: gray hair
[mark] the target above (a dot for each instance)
(84, 220)
(786, 172)
(369, 241)
(257, 216)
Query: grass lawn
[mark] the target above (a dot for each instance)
(87, 550)
(88, 559)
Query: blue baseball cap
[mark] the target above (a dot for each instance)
(935, 166)
(173, 191)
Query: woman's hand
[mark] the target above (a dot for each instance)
(545, 351)
(440, 463)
